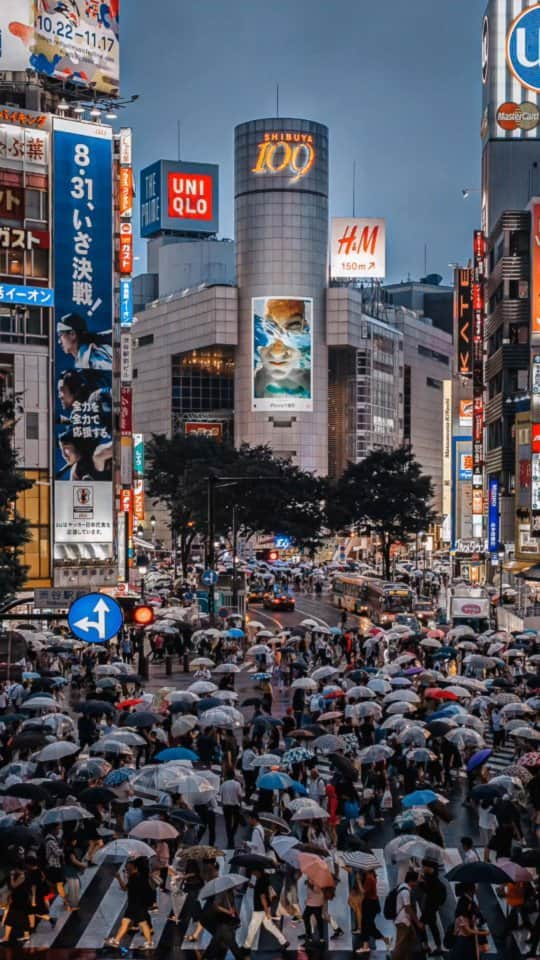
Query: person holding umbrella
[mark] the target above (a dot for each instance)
(54, 858)
(466, 930)
(139, 899)
(261, 915)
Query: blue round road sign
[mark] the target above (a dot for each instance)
(209, 578)
(95, 618)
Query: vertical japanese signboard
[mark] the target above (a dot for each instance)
(83, 258)
(464, 320)
(138, 477)
(478, 310)
(493, 515)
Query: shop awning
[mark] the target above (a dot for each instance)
(517, 566)
(533, 574)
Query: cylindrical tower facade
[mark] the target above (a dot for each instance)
(281, 209)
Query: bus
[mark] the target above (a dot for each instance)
(371, 597)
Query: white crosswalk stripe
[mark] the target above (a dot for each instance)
(107, 912)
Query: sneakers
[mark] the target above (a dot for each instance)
(148, 945)
(337, 933)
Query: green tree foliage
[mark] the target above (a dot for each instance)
(387, 494)
(14, 529)
(288, 502)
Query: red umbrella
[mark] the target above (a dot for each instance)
(129, 703)
(435, 693)
(334, 695)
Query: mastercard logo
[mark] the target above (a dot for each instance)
(514, 116)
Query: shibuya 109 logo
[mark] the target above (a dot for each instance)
(523, 48)
(283, 152)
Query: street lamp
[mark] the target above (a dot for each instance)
(143, 570)
(500, 553)
(153, 522)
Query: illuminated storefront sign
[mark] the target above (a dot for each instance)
(126, 248)
(284, 152)
(523, 49)
(358, 248)
(282, 353)
(30, 145)
(179, 197)
(138, 454)
(26, 296)
(15, 238)
(535, 482)
(493, 515)
(126, 302)
(478, 306)
(447, 449)
(199, 428)
(535, 268)
(83, 223)
(125, 192)
(466, 413)
(465, 467)
(464, 317)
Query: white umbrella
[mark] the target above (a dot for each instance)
(125, 848)
(40, 703)
(304, 683)
(430, 643)
(202, 687)
(402, 696)
(227, 668)
(464, 737)
(379, 685)
(310, 813)
(255, 625)
(65, 814)
(221, 717)
(368, 710)
(401, 707)
(258, 649)
(183, 725)
(202, 662)
(128, 737)
(109, 745)
(188, 696)
(322, 672)
(225, 695)
(310, 624)
(57, 750)
(361, 693)
(267, 760)
(459, 691)
(228, 881)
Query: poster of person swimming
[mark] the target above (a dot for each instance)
(282, 353)
(83, 274)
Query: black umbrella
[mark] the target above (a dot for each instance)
(502, 682)
(31, 740)
(129, 678)
(95, 795)
(527, 857)
(95, 708)
(56, 788)
(252, 702)
(345, 766)
(442, 810)
(141, 721)
(477, 872)
(438, 728)
(316, 729)
(182, 706)
(355, 675)
(16, 835)
(208, 703)
(252, 861)
(26, 791)
(274, 823)
(488, 791)
(532, 681)
(358, 843)
(185, 816)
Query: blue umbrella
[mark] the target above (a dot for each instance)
(176, 753)
(445, 653)
(445, 712)
(30, 675)
(235, 633)
(478, 759)
(419, 798)
(262, 676)
(116, 777)
(336, 631)
(207, 704)
(275, 780)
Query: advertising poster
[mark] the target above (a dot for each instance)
(282, 353)
(75, 41)
(358, 249)
(82, 210)
(214, 431)
(493, 515)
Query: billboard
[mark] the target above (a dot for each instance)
(493, 515)
(73, 41)
(358, 249)
(464, 319)
(83, 257)
(282, 353)
(511, 70)
(466, 414)
(180, 197)
(465, 467)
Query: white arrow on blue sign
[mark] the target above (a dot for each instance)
(95, 618)
(209, 577)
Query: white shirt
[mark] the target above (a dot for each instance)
(231, 793)
(486, 819)
(256, 843)
(403, 901)
(471, 856)
(248, 757)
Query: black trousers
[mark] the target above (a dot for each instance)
(208, 819)
(223, 940)
(316, 912)
(230, 813)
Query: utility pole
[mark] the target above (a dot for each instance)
(235, 547)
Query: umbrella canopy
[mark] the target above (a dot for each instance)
(227, 668)
(94, 795)
(202, 852)
(57, 750)
(154, 830)
(375, 754)
(202, 662)
(127, 847)
(66, 814)
(328, 743)
(222, 717)
(275, 780)
(345, 766)
(360, 861)
(95, 707)
(315, 870)
(229, 881)
(252, 861)
(304, 683)
(26, 791)
(530, 760)
(202, 687)
(267, 760)
(478, 759)
(515, 871)
(419, 798)
(477, 872)
(420, 755)
(419, 848)
(117, 777)
(437, 693)
(311, 812)
(296, 755)
(274, 823)
(176, 753)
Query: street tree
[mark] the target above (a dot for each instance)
(386, 494)
(14, 529)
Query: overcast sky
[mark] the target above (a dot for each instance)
(397, 83)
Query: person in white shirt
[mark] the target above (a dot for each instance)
(407, 922)
(487, 823)
(256, 842)
(231, 796)
(469, 853)
(249, 770)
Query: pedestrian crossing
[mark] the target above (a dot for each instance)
(501, 757)
(103, 904)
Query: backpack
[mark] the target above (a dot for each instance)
(390, 904)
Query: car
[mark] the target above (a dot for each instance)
(407, 620)
(424, 611)
(255, 593)
(278, 600)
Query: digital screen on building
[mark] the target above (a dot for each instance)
(493, 515)
(282, 353)
(83, 248)
(179, 197)
(75, 41)
(358, 248)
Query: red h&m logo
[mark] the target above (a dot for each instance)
(352, 242)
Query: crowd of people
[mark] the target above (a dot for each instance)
(344, 733)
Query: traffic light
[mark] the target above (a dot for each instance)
(143, 615)
(136, 613)
(269, 556)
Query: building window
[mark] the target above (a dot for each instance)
(146, 340)
(203, 386)
(436, 384)
(32, 426)
(28, 325)
(433, 354)
(34, 505)
(407, 403)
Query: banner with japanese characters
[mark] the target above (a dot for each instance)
(83, 284)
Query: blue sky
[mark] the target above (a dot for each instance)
(397, 83)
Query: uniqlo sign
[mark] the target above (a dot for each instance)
(535, 438)
(190, 197)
